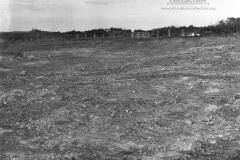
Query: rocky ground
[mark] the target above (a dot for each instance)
(167, 99)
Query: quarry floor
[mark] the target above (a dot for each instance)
(166, 99)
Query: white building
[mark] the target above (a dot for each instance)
(140, 34)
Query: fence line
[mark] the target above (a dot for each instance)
(43, 36)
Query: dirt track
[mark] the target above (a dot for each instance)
(164, 99)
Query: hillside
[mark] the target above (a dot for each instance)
(169, 99)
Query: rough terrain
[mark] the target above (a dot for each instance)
(167, 99)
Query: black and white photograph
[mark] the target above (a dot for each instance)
(119, 80)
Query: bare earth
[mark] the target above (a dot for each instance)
(169, 99)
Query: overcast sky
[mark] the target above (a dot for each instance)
(80, 15)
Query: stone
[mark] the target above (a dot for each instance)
(84, 106)
(207, 118)
(112, 114)
(188, 122)
(220, 136)
(23, 73)
(212, 141)
(210, 123)
(210, 108)
(44, 94)
(31, 57)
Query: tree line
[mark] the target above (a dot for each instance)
(223, 27)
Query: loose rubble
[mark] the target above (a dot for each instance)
(174, 98)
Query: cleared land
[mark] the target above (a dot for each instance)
(169, 99)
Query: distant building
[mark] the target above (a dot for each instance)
(140, 34)
(191, 34)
